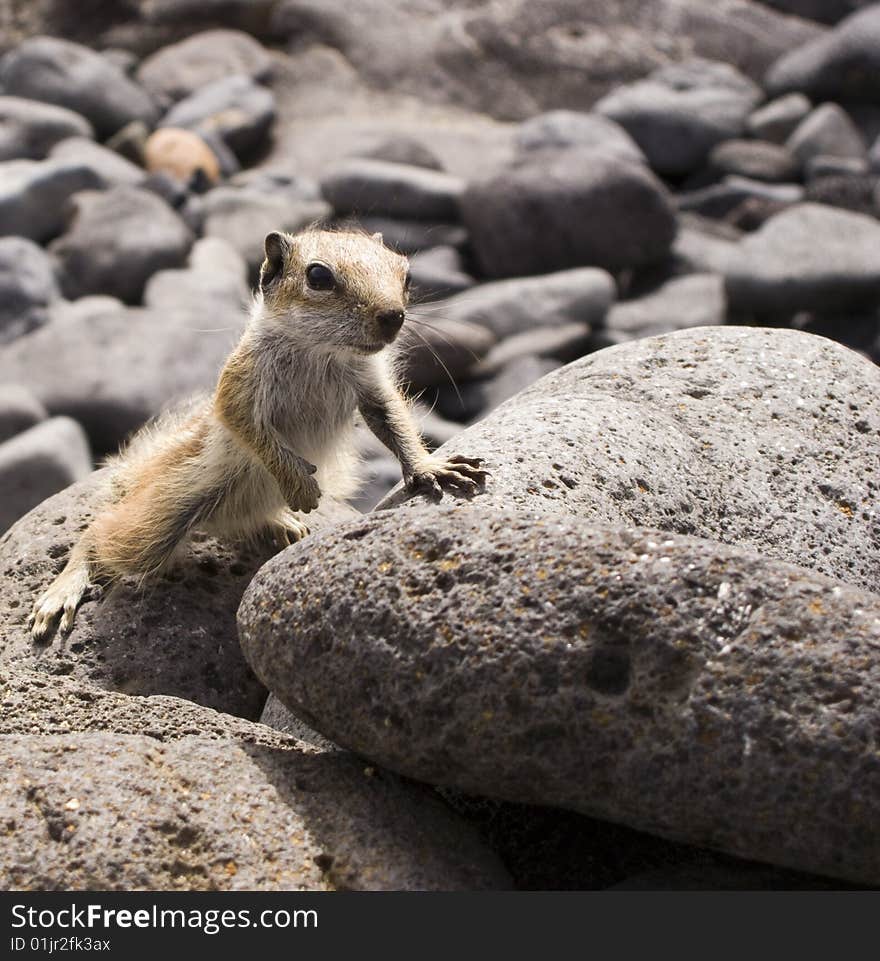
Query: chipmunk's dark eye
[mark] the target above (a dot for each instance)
(320, 277)
(407, 281)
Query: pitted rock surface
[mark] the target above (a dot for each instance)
(696, 691)
(177, 637)
(104, 792)
(763, 438)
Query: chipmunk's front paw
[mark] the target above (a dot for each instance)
(304, 494)
(63, 598)
(458, 473)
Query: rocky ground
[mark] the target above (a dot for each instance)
(647, 655)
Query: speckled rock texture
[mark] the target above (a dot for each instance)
(102, 791)
(758, 437)
(700, 692)
(178, 637)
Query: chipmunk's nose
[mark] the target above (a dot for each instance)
(390, 322)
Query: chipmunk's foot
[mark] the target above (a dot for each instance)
(63, 597)
(290, 529)
(465, 474)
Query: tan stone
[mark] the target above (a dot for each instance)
(180, 153)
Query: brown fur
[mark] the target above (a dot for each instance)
(274, 440)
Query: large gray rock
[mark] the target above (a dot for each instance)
(117, 240)
(73, 76)
(110, 168)
(243, 216)
(34, 195)
(568, 208)
(19, 410)
(682, 111)
(178, 637)
(113, 368)
(692, 690)
(841, 65)
(156, 793)
(364, 186)
(809, 257)
(725, 433)
(179, 70)
(27, 287)
(508, 307)
(572, 128)
(29, 129)
(38, 463)
(827, 131)
(235, 108)
(697, 300)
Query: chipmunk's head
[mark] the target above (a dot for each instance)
(336, 289)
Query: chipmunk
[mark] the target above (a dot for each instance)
(276, 435)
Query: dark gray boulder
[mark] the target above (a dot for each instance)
(366, 186)
(117, 240)
(34, 195)
(236, 108)
(680, 112)
(841, 65)
(699, 692)
(73, 76)
(567, 208)
(29, 129)
(809, 257)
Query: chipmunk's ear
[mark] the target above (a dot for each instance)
(378, 237)
(277, 249)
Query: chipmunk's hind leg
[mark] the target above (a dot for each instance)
(141, 534)
(64, 595)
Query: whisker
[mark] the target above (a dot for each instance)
(439, 360)
(444, 337)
